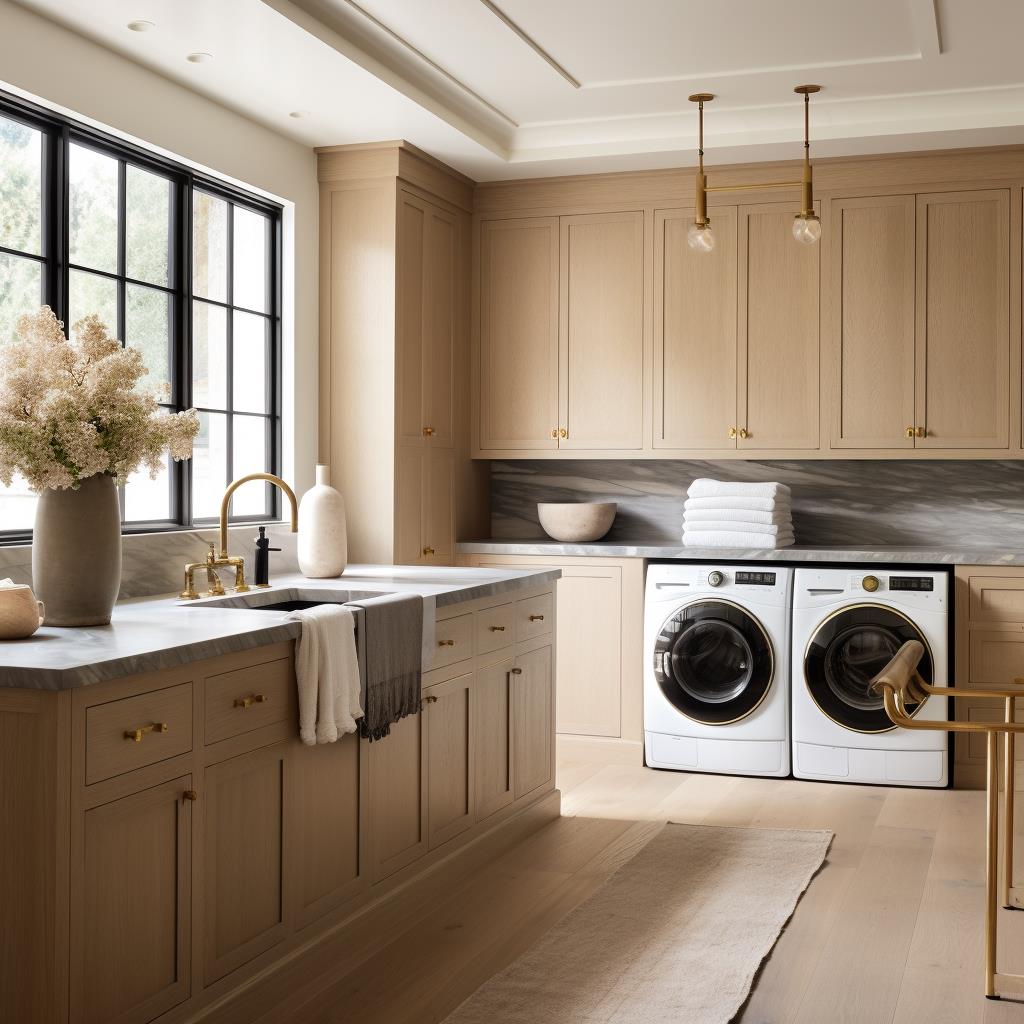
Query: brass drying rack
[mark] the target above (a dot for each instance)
(900, 682)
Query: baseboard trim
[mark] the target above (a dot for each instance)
(599, 749)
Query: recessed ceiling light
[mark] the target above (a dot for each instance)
(199, 57)
(141, 26)
(298, 113)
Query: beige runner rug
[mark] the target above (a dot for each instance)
(675, 936)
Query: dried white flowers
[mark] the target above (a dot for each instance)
(70, 410)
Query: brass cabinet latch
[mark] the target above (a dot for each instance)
(135, 735)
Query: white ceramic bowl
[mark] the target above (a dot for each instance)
(576, 522)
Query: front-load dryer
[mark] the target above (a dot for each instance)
(716, 668)
(847, 625)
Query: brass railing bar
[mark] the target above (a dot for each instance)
(991, 861)
(752, 187)
(1008, 784)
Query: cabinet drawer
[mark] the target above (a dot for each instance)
(248, 698)
(162, 721)
(534, 616)
(495, 628)
(996, 598)
(454, 640)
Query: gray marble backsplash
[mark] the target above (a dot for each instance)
(153, 563)
(841, 502)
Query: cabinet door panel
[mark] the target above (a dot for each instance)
(328, 825)
(439, 506)
(963, 325)
(694, 333)
(518, 333)
(410, 499)
(601, 369)
(873, 321)
(130, 914)
(589, 651)
(440, 274)
(411, 332)
(778, 365)
(493, 717)
(397, 811)
(449, 725)
(244, 863)
(533, 763)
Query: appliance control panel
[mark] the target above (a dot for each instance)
(914, 583)
(757, 579)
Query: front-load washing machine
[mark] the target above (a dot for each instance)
(716, 668)
(847, 624)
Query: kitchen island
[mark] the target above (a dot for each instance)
(170, 846)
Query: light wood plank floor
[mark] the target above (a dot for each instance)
(889, 931)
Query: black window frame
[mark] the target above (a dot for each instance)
(58, 134)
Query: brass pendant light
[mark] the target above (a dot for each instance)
(806, 226)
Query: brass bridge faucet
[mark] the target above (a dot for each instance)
(223, 559)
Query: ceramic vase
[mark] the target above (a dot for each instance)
(323, 539)
(76, 553)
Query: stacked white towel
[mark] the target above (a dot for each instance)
(719, 514)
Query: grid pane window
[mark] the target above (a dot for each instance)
(177, 266)
(232, 358)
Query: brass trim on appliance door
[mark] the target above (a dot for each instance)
(849, 608)
(712, 599)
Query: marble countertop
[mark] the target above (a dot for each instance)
(960, 555)
(158, 633)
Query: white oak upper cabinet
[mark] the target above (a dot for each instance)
(963, 319)
(873, 289)
(778, 332)
(601, 365)
(694, 333)
(518, 327)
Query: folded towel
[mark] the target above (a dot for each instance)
(755, 504)
(393, 625)
(704, 488)
(724, 525)
(727, 539)
(327, 670)
(699, 516)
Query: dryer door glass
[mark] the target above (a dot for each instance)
(713, 661)
(846, 652)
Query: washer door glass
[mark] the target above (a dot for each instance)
(846, 652)
(713, 661)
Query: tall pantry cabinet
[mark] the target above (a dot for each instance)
(394, 246)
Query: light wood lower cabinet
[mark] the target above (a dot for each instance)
(131, 897)
(244, 866)
(185, 879)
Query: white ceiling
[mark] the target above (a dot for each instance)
(510, 88)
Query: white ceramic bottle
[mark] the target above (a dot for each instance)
(323, 541)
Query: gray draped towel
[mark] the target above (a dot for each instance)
(393, 625)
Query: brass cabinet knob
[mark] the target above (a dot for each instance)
(743, 433)
(732, 433)
(190, 794)
(562, 432)
(536, 618)
(496, 629)
(920, 432)
(554, 433)
(515, 671)
(428, 550)
(445, 643)
(135, 735)
(910, 431)
(429, 699)
(253, 698)
(429, 431)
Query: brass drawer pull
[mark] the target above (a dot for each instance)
(536, 618)
(496, 629)
(445, 643)
(429, 699)
(190, 794)
(253, 698)
(429, 431)
(428, 551)
(135, 735)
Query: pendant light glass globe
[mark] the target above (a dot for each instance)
(700, 238)
(807, 229)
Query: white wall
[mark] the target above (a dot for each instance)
(46, 62)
